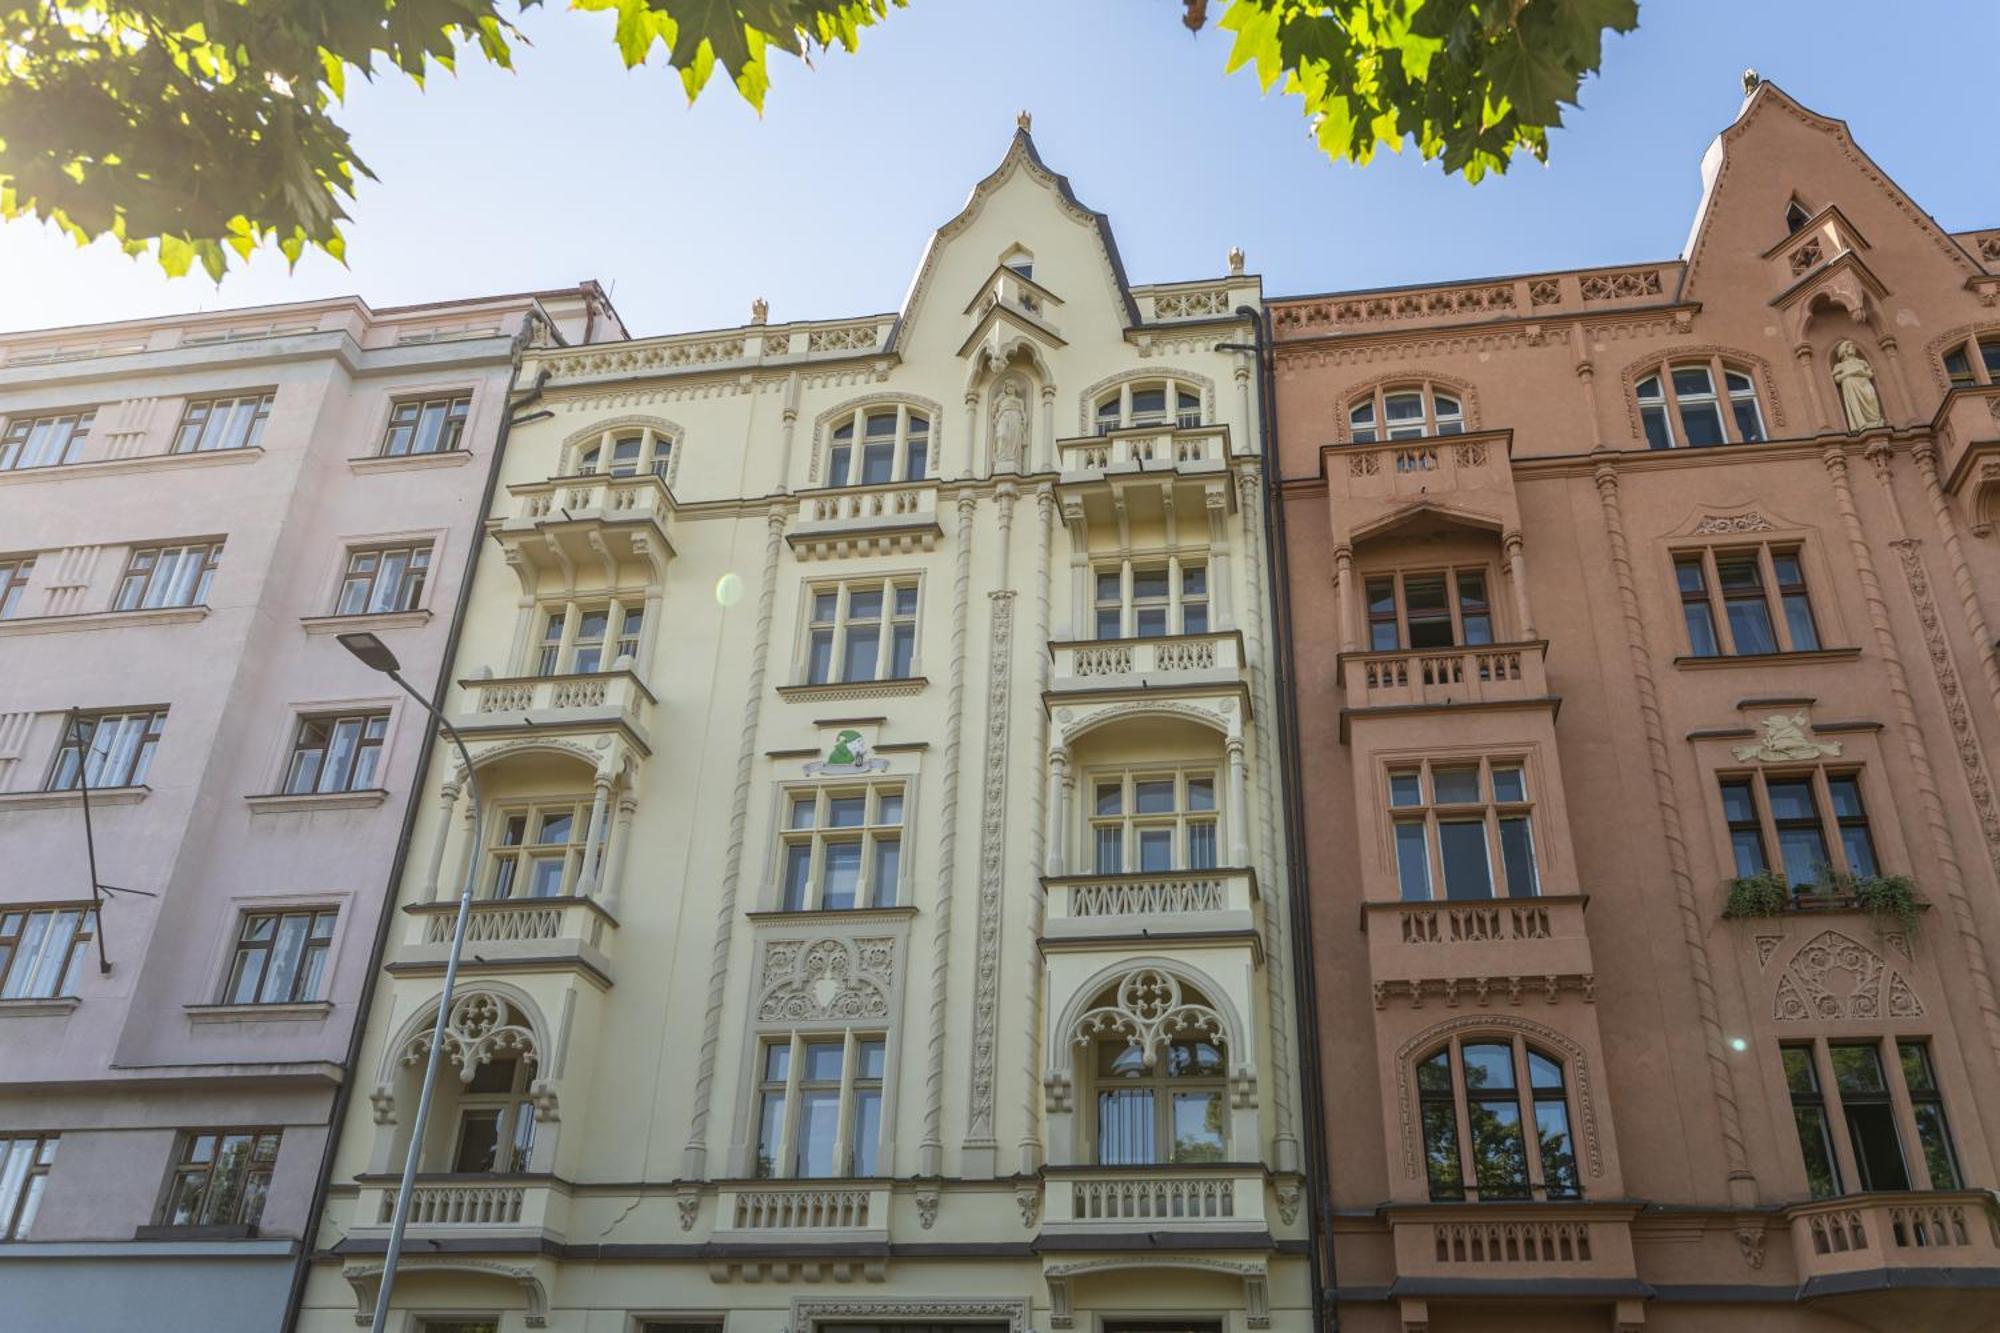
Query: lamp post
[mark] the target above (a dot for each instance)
(375, 654)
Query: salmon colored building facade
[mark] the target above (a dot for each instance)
(1620, 600)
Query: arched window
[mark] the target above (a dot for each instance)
(1405, 412)
(628, 453)
(487, 1113)
(877, 446)
(1163, 402)
(1155, 1053)
(1680, 406)
(1976, 361)
(1477, 1096)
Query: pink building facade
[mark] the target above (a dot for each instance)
(190, 510)
(1643, 643)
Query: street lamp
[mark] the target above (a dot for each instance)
(375, 654)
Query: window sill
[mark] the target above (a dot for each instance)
(301, 1011)
(1768, 659)
(279, 803)
(410, 462)
(42, 1007)
(373, 620)
(143, 463)
(31, 800)
(829, 916)
(859, 689)
(165, 615)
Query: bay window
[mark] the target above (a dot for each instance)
(1165, 1105)
(496, 1119)
(1150, 821)
(1859, 1104)
(536, 851)
(1433, 609)
(1145, 600)
(582, 639)
(1463, 830)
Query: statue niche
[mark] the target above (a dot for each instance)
(1010, 426)
(1855, 379)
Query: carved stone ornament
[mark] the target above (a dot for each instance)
(1149, 1011)
(845, 980)
(1028, 1198)
(383, 1099)
(480, 1026)
(1720, 523)
(1750, 1240)
(806, 1313)
(928, 1198)
(1785, 741)
(689, 1204)
(1834, 977)
(1289, 1198)
(1855, 379)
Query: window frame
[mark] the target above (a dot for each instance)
(412, 582)
(1524, 1095)
(1160, 1085)
(1778, 596)
(17, 432)
(1901, 1101)
(368, 752)
(15, 919)
(133, 774)
(1832, 827)
(1367, 414)
(1130, 824)
(142, 575)
(1727, 401)
(558, 656)
(1979, 354)
(846, 455)
(450, 438)
(251, 1190)
(1454, 576)
(1488, 810)
(1111, 410)
(17, 1214)
(513, 1108)
(253, 431)
(787, 1157)
(309, 970)
(890, 625)
(16, 573)
(498, 854)
(870, 835)
(598, 457)
(1128, 604)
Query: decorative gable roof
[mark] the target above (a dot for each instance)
(1020, 157)
(1764, 101)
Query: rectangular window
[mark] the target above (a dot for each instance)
(1927, 1108)
(1163, 599)
(1845, 1094)
(842, 848)
(1746, 830)
(107, 750)
(1154, 822)
(25, 1160)
(1816, 819)
(537, 851)
(1850, 818)
(863, 629)
(583, 640)
(1758, 593)
(336, 754)
(1801, 836)
(383, 579)
(1809, 1117)
(819, 1105)
(14, 574)
(157, 576)
(42, 950)
(45, 441)
(280, 957)
(209, 424)
(1474, 836)
(1870, 1115)
(496, 1120)
(426, 426)
(220, 1178)
(1434, 609)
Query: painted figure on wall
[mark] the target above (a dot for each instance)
(1856, 379)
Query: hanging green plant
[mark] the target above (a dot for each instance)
(1762, 894)
(1889, 895)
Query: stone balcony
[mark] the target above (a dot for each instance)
(509, 935)
(1113, 1200)
(1858, 1233)
(1496, 1249)
(568, 521)
(592, 701)
(1488, 952)
(1178, 902)
(1171, 661)
(1180, 446)
(866, 520)
(465, 1208)
(1488, 675)
(1142, 474)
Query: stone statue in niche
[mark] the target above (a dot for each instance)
(1010, 427)
(1856, 380)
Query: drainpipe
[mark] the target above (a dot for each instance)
(343, 1093)
(1326, 1310)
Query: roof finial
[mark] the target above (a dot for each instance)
(1751, 80)
(1025, 121)
(1235, 261)
(760, 311)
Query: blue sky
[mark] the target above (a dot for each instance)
(573, 168)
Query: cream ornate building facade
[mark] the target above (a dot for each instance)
(882, 911)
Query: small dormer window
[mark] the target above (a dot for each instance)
(1407, 412)
(1020, 261)
(1796, 218)
(878, 446)
(1146, 403)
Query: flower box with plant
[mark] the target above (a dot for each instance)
(1767, 894)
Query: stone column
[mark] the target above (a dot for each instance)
(1239, 805)
(1517, 573)
(1046, 451)
(969, 456)
(447, 798)
(1809, 381)
(1343, 582)
(613, 885)
(586, 884)
(1058, 826)
(1215, 501)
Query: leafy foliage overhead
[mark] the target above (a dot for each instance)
(200, 129)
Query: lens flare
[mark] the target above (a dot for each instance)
(729, 589)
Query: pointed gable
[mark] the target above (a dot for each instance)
(1778, 154)
(1022, 213)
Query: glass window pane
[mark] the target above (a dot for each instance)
(1878, 1149)
(1110, 851)
(841, 875)
(1199, 1126)
(1156, 849)
(1125, 1127)
(798, 876)
(1916, 1061)
(1857, 1067)
(802, 811)
(1413, 867)
(822, 1062)
(1110, 798)
(1153, 796)
(867, 1131)
(1201, 853)
(1804, 853)
(862, 645)
(871, 1058)
(1543, 1072)
(1658, 434)
(1499, 1156)
(1517, 854)
(1405, 789)
(1462, 848)
(1509, 784)
(777, 1061)
(1489, 1066)
(1441, 1160)
(889, 807)
(1455, 785)
(1816, 1145)
(1701, 629)
(285, 957)
(1936, 1145)
(1558, 1149)
(1201, 793)
(847, 811)
(1791, 799)
(1692, 381)
(819, 1123)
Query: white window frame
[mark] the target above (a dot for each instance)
(1443, 413)
(785, 1163)
(654, 454)
(1428, 813)
(1177, 602)
(1112, 410)
(560, 653)
(1128, 824)
(1662, 406)
(523, 855)
(874, 830)
(835, 629)
(846, 472)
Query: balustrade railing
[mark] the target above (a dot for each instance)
(1488, 673)
(609, 695)
(1172, 656)
(804, 1209)
(457, 1205)
(1180, 442)
(1943, 1229)
(1512, 1242)
(1153, 1199)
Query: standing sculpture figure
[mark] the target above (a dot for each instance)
(1010, 427)
(1856, 380)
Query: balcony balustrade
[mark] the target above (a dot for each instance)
(866, 520)
(1863, 1232)
(503, 934)
(1177, 659)
(1504, 1242)
(1178, 902)
(1182, 445)
(589, 701)
(1153, 1198)
(1491, 951)
(1498, 673)
(792, 1210)
(587, 519)
(461, 1207)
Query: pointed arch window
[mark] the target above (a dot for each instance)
(1405, 412)
(1681, 405)
(1496, 1121)
(878, 446)
(1157, 1059)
